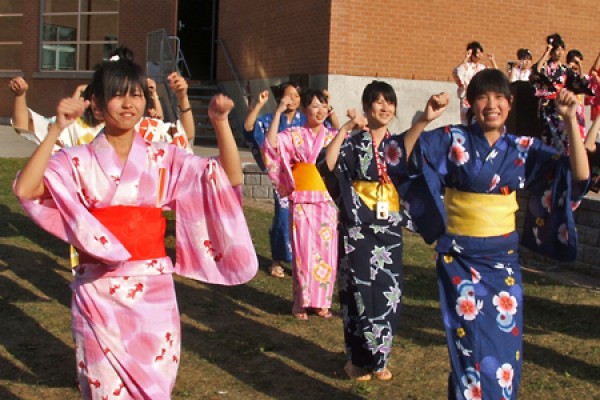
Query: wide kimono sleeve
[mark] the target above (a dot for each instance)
(549, 225)
(63, 214)
(422, 192)
(279, 162)
(213, 243)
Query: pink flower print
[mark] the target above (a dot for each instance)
(563, 234)
(158, 154)
(475, 275)
(458, 155)
(524, 143)
(76, 162)
(473, 391)
(447, 129)
(547, 200)
(519, 162)
(505, 303)
(393, 153)
(505, 375)
(102, 239)
(575, 205)
(138, 288)
(466, 308)
(117, 391)
(297, 138)
(456, 280)
(495, 182)
(116, 179)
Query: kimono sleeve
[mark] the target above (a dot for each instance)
(213, 243)
(549, 224)
(422, 192)
(279, 161)
(64, 216)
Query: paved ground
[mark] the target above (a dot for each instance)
(13, 145)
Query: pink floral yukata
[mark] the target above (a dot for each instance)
(313, 214)
(125, 317)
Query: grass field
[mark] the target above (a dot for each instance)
(242, 343)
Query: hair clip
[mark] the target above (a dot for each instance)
(114, 58)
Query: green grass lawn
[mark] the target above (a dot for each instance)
(242, 343)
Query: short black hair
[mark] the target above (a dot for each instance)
(488, 80)
(572, 54)
(279, 90)
(474, 46)
(118, 75)
(309, 94)
(523, 54)
(555, 40)
(376, 88)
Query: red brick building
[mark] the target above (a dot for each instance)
(339, 44)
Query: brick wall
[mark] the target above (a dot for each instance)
(267, 38)
(425, 39)
(136, 19)
(390, 38)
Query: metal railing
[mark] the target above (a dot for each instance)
(160, 62)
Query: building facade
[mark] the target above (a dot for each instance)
(337, 44)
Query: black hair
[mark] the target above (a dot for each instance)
(376, 88)
(474, 46)
(572, 54)
(279, 90)
(555, 40)
(122, 52)
(118, 75)
(309, 94)
(523, 54)
(487, 80)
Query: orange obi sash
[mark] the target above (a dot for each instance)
(307, 177)
(141, 230)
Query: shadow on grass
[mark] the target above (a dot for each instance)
(252, 351)
(37, 269)
(16, 224)
(39, 358)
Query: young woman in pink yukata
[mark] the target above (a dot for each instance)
(290, 158)
(106, 199)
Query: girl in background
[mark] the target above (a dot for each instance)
(290, 158)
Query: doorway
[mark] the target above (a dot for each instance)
(197, 31)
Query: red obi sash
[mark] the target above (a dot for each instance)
(141, 230)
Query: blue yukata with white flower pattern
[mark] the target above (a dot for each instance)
(479, 277)
(279, 233)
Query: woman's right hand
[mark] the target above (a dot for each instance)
(284, 104)
(68, 110)
(18, 86)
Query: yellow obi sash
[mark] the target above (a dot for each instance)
(480, 215)
(307, 177)
(372, 192)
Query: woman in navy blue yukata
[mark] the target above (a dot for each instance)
(462, 194)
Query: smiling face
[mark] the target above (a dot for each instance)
(490, 110)
(316, 112)
(123, 111)
(380, 112)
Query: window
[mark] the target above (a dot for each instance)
(77, 34)
(11, 46)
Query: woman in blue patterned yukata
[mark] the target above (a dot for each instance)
(462, 193)
(370, 267)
